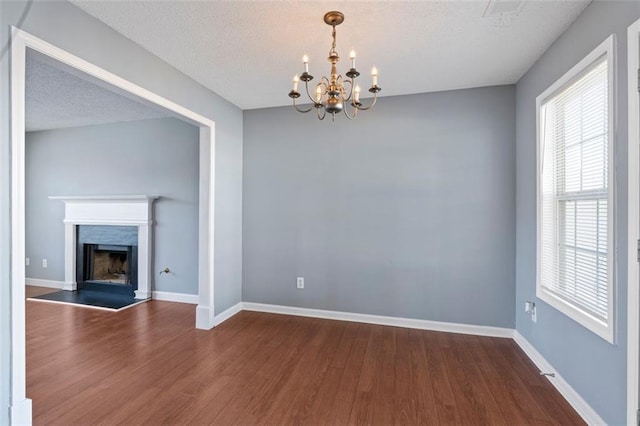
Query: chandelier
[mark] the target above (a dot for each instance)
(332, 95)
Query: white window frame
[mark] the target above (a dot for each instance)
(606, 330)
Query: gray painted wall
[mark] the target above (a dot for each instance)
(407, 211)
(342, 212)
(150, 157)
(592, 366)
(66, 26)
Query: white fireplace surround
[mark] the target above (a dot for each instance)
(114, 210)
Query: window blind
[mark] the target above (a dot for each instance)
(575, 192)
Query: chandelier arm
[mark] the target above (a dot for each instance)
(346, 112)
(320, 83)
(375, 98)
(324, 82)
(304, 111)
(351, 86)
(306, 86)
(324, 113)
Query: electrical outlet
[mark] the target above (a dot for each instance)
(27, 261)
(300, 282)
(530, 308)
(44, 263)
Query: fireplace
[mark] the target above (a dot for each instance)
(108, 243)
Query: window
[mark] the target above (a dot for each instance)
(575, 196)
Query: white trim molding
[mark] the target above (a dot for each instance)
(175, 297)
(588, 414)
(478, 330)
(205, 315)
(228, 313)
(633, 224)
(20, 412)
(44, 283)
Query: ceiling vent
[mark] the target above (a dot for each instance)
(501, 13)
(501, 8)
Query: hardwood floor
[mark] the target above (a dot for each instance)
(33, 291)
(148, 365)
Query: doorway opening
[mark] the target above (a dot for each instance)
(20, 42)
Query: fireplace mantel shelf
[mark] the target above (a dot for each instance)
(123, 198)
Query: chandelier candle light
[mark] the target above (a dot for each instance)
(330, 95)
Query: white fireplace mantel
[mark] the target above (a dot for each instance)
(114, 210)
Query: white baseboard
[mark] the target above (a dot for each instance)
(141, 295)
(44, 283)
(580, 405)
(205, 318)
(477, 330)
(175, 297)
(20, 413)
(228, 313)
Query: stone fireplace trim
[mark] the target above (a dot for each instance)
(118, 210)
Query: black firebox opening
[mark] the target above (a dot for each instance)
(110, 268)
(107, 264)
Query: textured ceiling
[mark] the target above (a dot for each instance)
(56, 98)
(248, 51)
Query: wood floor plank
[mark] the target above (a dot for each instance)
(404, 399)
(384, 395)
(148, 365)
(485, 405)
(437, 349)
(501, 384)
(362, 411)
(346, 390)
(255, 381)
(556, 407)
(294, 398)
(420, 370)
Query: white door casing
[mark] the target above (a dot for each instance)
(633, 230)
